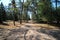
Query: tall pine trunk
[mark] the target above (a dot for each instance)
(14, 6)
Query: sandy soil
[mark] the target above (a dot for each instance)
(29, 31)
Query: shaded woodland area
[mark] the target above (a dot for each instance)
(42, 11)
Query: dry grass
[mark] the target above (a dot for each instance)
(11, 25)
(44, 26)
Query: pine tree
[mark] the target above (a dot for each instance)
(20, 14)
(14, 10)
(44, 10)
(2, 13)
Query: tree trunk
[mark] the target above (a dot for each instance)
(14, 19)
(1, 21)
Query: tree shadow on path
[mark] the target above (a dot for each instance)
(54, 33)
(4, 24)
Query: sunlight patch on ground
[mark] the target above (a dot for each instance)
(18, 25)
(43, 26)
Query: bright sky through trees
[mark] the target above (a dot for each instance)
(6, 2)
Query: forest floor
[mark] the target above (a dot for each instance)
(10, 25)
(28, 31)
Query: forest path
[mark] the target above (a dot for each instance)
(29, 32)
